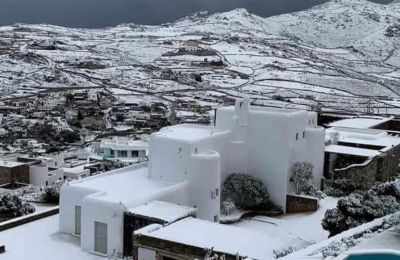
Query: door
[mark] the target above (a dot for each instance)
(100, 237)
(77, 220)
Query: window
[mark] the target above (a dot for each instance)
(304, 134)
(135, 154)
(216, 218)
(217, 191)
(297, 136)
(123, 154)
(213, 195)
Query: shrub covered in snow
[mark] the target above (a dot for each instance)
(363, 206)
(283, 252)
(343, 187)
(49, 194)
(228, 207)
(302, 177)
(245, 191)
(12, 206)
(52, 194)
(31, 194)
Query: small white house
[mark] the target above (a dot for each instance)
(124, 149)
(187, 166)
(43, 175)
(76, 173)
(47, 172)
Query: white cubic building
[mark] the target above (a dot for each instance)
(124, 149)
(187, 166)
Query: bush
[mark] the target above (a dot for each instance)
(362, 207)
(245, 191)
(228, 207)
(11, 206)
(302, 177)
(69, 136)
(52, 194)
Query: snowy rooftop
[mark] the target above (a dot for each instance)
(360, 122)
(188, 132)
(372, 137)
(274, 110)
(223, 238)
(125, 185)
(165, 211)
(76, 170)
(10, 164)
(123, 143)
(339, 149)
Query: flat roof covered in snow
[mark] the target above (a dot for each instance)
(165, 211)
(188, 132)
(227, 239)
(272, 110)
(339, 149)
(124, 185)
(372, 137)
(10, 164)
(360, 122)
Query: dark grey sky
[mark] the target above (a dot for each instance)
(102, 13)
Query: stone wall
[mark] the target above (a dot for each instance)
(14, 174)
(364, 175)
(381, 168)
(300, 204)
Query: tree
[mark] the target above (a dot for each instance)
(80, 115)
(362, 207)
(119, 117)
(302, 177)
(52, 194)
(11, 206)
(246, 191)
(69, 136)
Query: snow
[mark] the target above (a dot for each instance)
(41, 240)
(188, 132)
(314, 249)
(223, 238)
(165, 211)
(9, 164)
(123, 185)
(388, 239)
(360, 122)
(338, 149)
(304, 226)
(364, 136)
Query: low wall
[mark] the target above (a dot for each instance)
(301, 204)
(381, 168)
(12, 223)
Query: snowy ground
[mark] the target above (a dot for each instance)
(40, 240)
(299, 229)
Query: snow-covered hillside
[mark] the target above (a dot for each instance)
(343, 55)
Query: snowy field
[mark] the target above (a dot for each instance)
(340, 56)
(40, 240)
